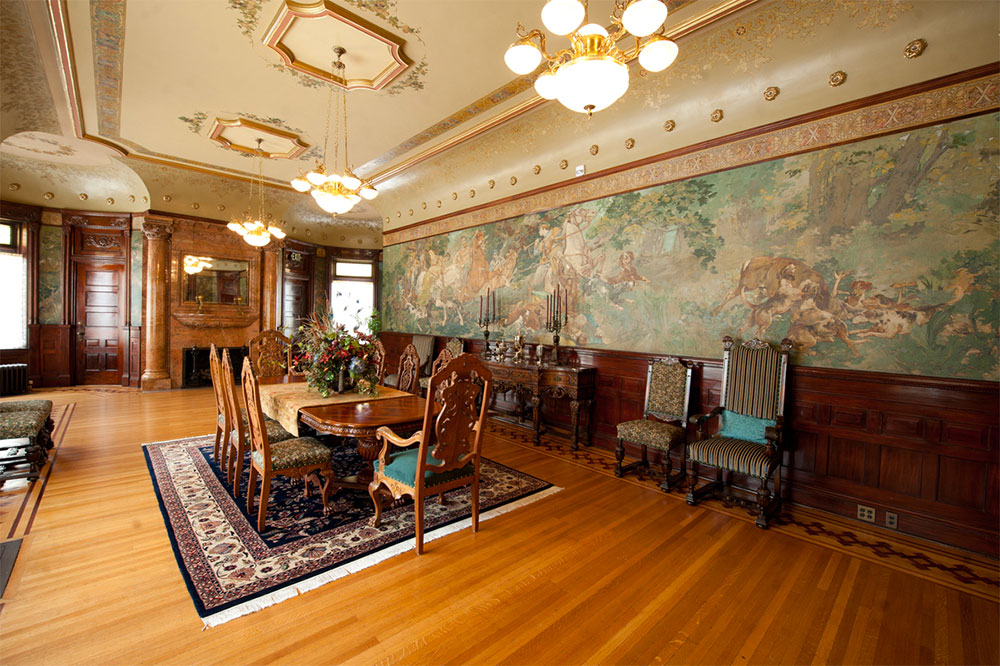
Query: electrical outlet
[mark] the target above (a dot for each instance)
(890, 520)
(866, 513)
(581, 169)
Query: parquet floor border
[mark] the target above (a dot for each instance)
(959, 570)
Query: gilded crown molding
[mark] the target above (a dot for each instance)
(931, 102)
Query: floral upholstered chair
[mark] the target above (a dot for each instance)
(27, 418)
(444, 454)
(668, 387)
(751, 414)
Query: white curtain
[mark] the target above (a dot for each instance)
(13, 301)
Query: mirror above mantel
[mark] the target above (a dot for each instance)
(213, 291)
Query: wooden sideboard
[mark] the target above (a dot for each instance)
(533, 382)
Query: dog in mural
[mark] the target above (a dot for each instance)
(769, 275)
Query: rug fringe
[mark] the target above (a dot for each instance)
(349, 568)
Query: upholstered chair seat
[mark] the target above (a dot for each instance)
(275, 433)
(295, 452)
(27, 406)
(403, 468)
(274, 429)
(737, 455)
(26, 423)
(654, 434)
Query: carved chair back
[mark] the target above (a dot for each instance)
(424, 344)
(753, 377)
(378, 358)
(232, 403)
(255, 417)
(454, 436)
(439, 363)
(270, 352)
(668, 389)
(215, 369)
(408, 378)
(456, 346)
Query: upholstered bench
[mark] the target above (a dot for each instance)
(27, 418)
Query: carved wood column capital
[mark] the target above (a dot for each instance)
(154, 228)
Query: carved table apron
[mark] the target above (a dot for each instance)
(556, 381)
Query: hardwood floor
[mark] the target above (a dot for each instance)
(602, 572)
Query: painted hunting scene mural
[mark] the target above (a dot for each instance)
(879, 255)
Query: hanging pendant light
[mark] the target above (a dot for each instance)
(252, 228)
(339, 191)
(593, 73)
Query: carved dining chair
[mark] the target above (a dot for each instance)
(270, 353)
(299, 457)
(664, 419)
(378, 358)
(215, 368)
(407, 377)
(441, 361)
(751, 412)
(235, 445)
(444, 454)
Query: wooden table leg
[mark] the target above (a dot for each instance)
(574, 406)
(536, 415)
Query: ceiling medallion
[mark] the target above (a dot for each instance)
(167, 198)
(131, 198)
(716, 115)
(915, 48)
(196, 205)
(438, 203)
(594, 149)
(110, 201)
(837, 78)
(669, 126)
(770, 94)
(249, 226)
(14, 187)
(48, 196)
(472, 194)
(513, 180)
(221, 208)
(411, 212)
(492, 183)
(593, 73)
(563, 164)
(337, 192)
(629, 143)
(537, 169)
(423, 205)
(240, 134)
(83, 196)
(454, 196)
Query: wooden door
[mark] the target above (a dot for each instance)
(100, 306)
(297, 303)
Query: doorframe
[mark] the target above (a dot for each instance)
(75, 225)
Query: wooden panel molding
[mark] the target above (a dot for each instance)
(924, 448)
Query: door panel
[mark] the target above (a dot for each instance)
(297, 302)
(99, 309)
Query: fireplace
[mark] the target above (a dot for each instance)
(196, 370)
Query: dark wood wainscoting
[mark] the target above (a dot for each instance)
(924, 448)
(50, 355)
(134, 368)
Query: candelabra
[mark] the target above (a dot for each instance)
(556, 317)
(490, 316)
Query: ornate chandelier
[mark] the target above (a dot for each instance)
(593, 73)
(335, 192)
(250, 227)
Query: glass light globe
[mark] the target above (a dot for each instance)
(368, 192)
(233, 226)
(596, 83)
(592, 29)
(547, 85)
(326, 201)
(258, 239)
(351, 181)
(300, 184)
(562, 17)
(643, 17)
(658, 54)
(316, 178)
(333, 178)
(276, 232)
(522, 57)
(354, 199)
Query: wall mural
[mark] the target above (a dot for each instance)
(880, 255)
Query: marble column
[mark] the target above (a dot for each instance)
(269, 286)
(157, 231)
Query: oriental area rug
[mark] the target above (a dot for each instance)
(231, 569)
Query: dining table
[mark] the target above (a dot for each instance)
(288, 400)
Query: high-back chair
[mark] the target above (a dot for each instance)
(299, 457)
(270, 353)
(663, 425)
(407, 377)
(444, 454)
(378, 358)
(752, 415)
(221, 425)
(235, 445)
(441, 361)
(456, 346)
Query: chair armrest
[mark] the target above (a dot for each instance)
(392, 439)
(699, 419)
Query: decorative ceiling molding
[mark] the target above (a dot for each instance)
(295, 30)
(904, 110)
(237, 134)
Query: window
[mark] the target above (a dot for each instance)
(352, 293)
(14, 295)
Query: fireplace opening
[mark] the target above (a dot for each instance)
(196, 370)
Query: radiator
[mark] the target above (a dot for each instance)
(13, 379)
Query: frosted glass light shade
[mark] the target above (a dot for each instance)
(522, 57)
(316, 178)
(547, 85)
(351, 181)
(644, 17)
(368, 192)
(258, 239)
(562, 17)
(592, 29)
(276, 232)
(300, 184)
(594, 82)
(658, 54)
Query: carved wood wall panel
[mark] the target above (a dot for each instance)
(927, 449)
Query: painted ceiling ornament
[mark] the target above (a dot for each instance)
(563, 164)
(669, 126)
(915, 48)
(592, 74)
(716, 115)
(838, 78)
(336, 192)
(771, 93)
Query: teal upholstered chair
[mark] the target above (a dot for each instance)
(444, 454)
(751, 412)
(663, 426)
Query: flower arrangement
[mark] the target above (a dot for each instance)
(333, 358)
